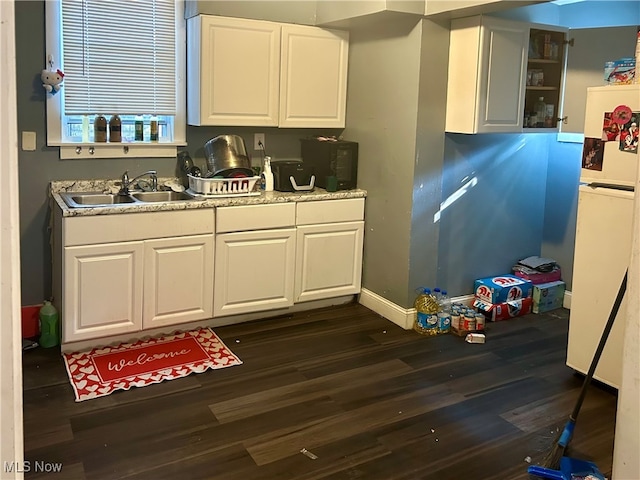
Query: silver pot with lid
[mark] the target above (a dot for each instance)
(227, 156)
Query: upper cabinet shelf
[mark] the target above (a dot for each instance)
(498, 70)
(258, 73)
(541, 60)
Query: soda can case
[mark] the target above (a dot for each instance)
(504, 311)
(504, 288)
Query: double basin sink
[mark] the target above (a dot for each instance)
(95, 199)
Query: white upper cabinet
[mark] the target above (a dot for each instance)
(233, 71)
(258, 73)
(498, 71)
(313, 82)
(487, 70)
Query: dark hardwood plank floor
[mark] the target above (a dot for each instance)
(369, 399)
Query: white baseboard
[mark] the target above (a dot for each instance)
(403, 317)
(566, 301)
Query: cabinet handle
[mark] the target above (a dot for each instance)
(571, 41)
(563, 119)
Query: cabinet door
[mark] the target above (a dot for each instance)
(486, 80)
(102, 290)
(178, 280)
(501, 86)
(254, 271)
(545, 68)
(328, 260)
(313, 81)
(233, 70)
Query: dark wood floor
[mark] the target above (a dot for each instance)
(370, 400)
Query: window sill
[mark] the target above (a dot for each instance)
(118, 150)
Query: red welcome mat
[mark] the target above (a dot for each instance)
(101, 371)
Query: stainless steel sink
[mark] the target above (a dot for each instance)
(94, 199)
(98, 199)
(169, 196)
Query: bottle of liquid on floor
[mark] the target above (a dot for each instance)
(426, 313)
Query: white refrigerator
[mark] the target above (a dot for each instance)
(603, 228)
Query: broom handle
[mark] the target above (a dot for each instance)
(603, 341)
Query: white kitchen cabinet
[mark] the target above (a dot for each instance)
(254, 258)
(258, 73)
(487, 69)
(102, 290)
(329, 243)
(328, 260)
(492, 62)
(233, 71)
(178, 280)
(254, 271)
(124, 273)
(313, 82)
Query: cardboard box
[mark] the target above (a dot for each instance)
(548, 296)
(620, 72)
(496, 312)
(502, 289)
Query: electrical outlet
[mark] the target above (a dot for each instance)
(258, 141)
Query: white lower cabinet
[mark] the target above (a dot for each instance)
(255, 255)
(329, 244)
(178, 280)
(114, 277)
(254, 271)
(102, 290)
(123, 273)
(328, 260)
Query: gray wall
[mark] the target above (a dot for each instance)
(426, 235)
(584, 14)
(499, 219)
(382, 111)
(561, 204)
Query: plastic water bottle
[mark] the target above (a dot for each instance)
(445, 302)
(426, 313)
(49, 326)
(541, 112)
(437, 293)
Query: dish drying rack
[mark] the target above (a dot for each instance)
(222, 187)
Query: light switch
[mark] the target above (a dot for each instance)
(29, 141)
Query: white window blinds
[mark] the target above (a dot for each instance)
(119, 56)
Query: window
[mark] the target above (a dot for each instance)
(124, 57)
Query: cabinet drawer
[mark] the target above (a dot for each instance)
(136, 226)
(330, 211)
(255, 217)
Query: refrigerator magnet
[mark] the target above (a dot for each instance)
(629, 134)
(621, 114)
(592, 153)
(610, 129)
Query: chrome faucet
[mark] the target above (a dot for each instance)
(125, 183)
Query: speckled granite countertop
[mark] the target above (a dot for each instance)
(106, 186)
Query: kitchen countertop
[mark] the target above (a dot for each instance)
(106, 186)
